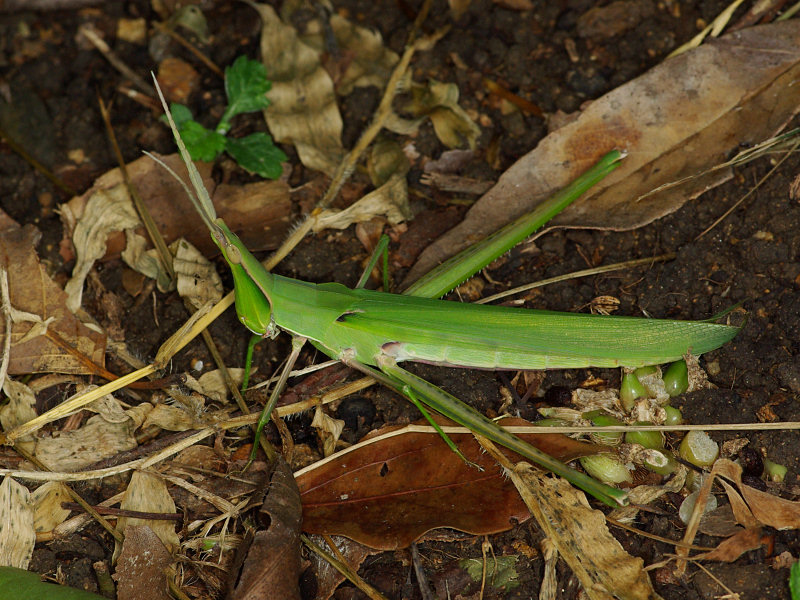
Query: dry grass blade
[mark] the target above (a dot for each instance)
(752, 190)
(343, 568)
(147, 220)
(628, 264)
(713, 29)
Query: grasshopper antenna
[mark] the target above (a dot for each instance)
(200, 197)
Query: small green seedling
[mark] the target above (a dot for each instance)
(246, 84)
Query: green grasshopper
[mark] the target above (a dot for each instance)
(374, 331)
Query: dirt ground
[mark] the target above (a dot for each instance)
(752, 257)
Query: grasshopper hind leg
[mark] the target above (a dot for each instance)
(417, 389)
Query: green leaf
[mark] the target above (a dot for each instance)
(203, 144)
(180, 114)
(794, 581)
(25, 585)
(501, 572)
(256, 153)
(246, 84)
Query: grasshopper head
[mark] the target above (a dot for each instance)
(250, 282)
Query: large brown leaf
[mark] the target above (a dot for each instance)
(677, 120)
(389, 490)
(31, 290)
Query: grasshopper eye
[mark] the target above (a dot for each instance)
(232, 254)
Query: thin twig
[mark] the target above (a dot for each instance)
(150, 226)
(577, 274)
(36, 164)
(422, 580)
(348, 163)
(343, 568)
(190, 47)
(5, 303)
(115, 60)
(750, 192)
(247, 420)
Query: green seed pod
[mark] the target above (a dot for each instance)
(674, 416)
(630, 390)
(699, 449)
(774, 471)
(676, 378)
(606, 468)
(687, 506)
(644, 371)
(648, 439)
(694, 479)
(550, 423)
(601, 418)
(665, 467)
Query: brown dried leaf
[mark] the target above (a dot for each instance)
(32, 290)
(732, 548)
(326, 575)
(140, 568)
(271, 568)
(391, 488)
(768, 509)
(677, 120)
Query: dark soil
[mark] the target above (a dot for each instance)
(544, 56)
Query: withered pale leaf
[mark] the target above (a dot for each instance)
(212, 384)
(198, 280)
(677, 120)
(148, 493)
(97, 439)
(106, 212)
(17, 535)
(580, 534)
(439, 101)
(368, 61)
(20, 407)
(172, 418)
(372, 62)
(303, 110)
(47, 499)
(391, 488)
(389, 200)
(328, 429)
(31, 290)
